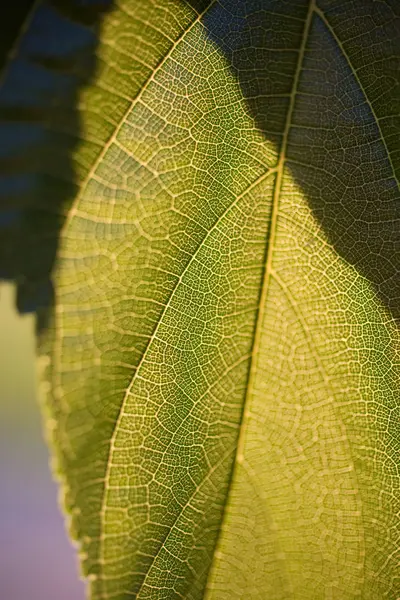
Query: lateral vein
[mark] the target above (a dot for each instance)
(121, 122)
(327, 24)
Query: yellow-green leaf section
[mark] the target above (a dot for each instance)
(222, 369)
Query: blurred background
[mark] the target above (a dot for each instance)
(37, 561)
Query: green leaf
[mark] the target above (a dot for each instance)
(221, 367)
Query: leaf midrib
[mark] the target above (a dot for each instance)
(266, 276)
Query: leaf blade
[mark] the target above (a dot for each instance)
(240, 150)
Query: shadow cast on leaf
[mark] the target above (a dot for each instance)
(344, 135)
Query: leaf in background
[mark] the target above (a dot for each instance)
(43, 155)
(222, 361)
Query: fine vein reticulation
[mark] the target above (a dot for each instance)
(220, 364)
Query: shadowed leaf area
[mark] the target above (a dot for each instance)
(343, 146)
(218, 190)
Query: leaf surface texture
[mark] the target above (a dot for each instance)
(221, 364)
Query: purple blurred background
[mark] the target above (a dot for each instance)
(37, 561)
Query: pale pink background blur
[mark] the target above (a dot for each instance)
(37, 561)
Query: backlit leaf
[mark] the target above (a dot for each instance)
(220, 181)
